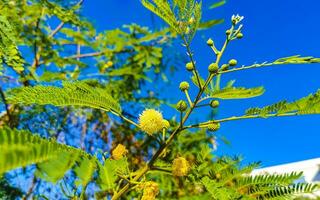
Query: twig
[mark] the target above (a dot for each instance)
(6, 105)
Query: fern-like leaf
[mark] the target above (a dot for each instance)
(163, 10)
(72, 94)
(289, 191)
(237, 93)
(21, 148)
(305, 105)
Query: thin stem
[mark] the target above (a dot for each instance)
(6, 105)
(124, 118)
(202, 105)
(154, 168)
(188, 97)
(189, 52)
(240, 118)
(249, 67)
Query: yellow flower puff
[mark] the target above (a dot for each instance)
(180, 167)
(150, 190)
(119, 152)
(151, 121)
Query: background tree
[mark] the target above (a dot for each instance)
(105, 73)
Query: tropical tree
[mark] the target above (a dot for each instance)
(70, 112)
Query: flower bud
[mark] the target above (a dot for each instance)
(239, 35)
(224, 67)
(184, 86)
(109, 63)
(180, 167)
(166, 124)
(213, 127)
(214, 103)
(189, 66)
(210, 42)
(119, 152)
(182, 106)
(233, 62)
(228, 32)
(213, 68)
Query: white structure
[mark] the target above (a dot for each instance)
(310, 169)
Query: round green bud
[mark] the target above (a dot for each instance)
(213, 127)
(182, 106)
(224, 67)
(214, 103)
(210, 42)
(233, 62)
(239, 35)
(213, 68)
(166, 124)
(189, 66)
(228, 32)
(184, 86)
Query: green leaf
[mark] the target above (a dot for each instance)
(84, 170)
(210, 23)
(109, 171)
(64, 161)
(218, 4)
(72, 94)
(237, 93)
(21, 148)
(305, 105)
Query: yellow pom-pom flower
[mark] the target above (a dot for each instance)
(180, 167)
(151, 121)
(150, 190)
(119, 152)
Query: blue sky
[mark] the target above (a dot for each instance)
(272, 29)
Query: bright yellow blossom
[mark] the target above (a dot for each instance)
(119, 152)
(180, 167)
(150, 190)
(151, 121)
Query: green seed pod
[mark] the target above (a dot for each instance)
(213, 68)
(189, 66)
(182, 106)
(184, 86)
(224, 67)
(214, 103)
(239, 35)
(210, 42)
(213, 127)
(233, 62)
(228, 32)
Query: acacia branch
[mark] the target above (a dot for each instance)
(173, 135)
(234, 118)
(5, 105)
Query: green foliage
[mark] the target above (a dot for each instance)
(303, 106)
(74, 94)
(8, 192)
(237, 93)
(116, 65)
(9, 52)
(218, 4)
(183, 16)
(21, 148)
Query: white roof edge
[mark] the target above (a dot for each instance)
(289, 167)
